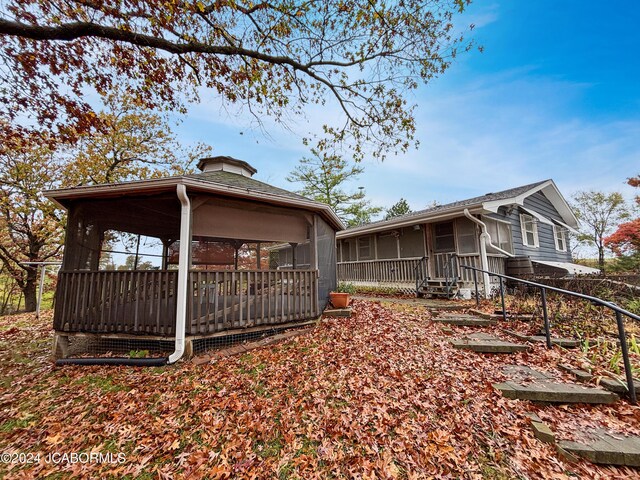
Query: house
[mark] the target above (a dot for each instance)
(519, 230)
(202, 290)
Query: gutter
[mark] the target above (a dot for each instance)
(485, 241)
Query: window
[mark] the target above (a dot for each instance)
(466, 236)
(364, 248)
(529, 226)
(443, 238)
(500, 233)
(560, 237)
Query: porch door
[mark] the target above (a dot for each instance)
(444, 244)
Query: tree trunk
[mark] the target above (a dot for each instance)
(601, 259)
(30, 289)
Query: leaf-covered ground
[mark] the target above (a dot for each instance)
(380, 395)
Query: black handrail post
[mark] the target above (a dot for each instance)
(475, 281)
(504, 311)
(543, 296)
(625, 357)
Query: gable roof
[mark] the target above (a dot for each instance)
(216, 182)
(487, 203)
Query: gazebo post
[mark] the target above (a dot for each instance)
(294, 260)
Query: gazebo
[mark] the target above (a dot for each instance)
(201, 290)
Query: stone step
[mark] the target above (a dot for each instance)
(528, 384)
(337, 312)
(605, 449)
(616, 386)
(561, 342)
(551, 392)
(464, 320)
(483, 343)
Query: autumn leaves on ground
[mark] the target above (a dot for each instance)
(380, 395)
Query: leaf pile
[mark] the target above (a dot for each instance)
(379, 395)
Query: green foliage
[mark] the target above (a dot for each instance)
(324, 178)
(138, 353)
(131, 144)
(634, 306)
(598, 213)
(344, 287)
(398, 209)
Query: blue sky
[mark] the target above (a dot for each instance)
(555, 94)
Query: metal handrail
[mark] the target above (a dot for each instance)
(450, 281)
(420, 282)
(598, 301)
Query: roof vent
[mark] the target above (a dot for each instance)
(226, 164)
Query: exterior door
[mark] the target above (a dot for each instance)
(443, 245)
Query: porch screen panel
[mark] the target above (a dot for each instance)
(83, 241)
(326, 245)
(411, 242)
(466, 236)
(346, 253)
(387, 246)
(365, 248)
(443, 237)
(303, 256)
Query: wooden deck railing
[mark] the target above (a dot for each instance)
(132, 302)
(381, 271)
(496, 264)
(144, 302)
(401, 271)
(227, 300)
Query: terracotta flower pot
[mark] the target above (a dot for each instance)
(339, 300)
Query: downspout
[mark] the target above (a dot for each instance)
(183, 272)
(484, 239)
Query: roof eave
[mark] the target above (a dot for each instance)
(143, 186)
(407, 222)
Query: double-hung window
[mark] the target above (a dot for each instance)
(560, 237)
(529, 226)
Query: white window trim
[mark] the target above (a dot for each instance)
(563, 233)
(536, 240)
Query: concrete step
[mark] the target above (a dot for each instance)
(483, 343)
(463, 320)
(613, 385)
(556, 393)
(561, 342)
(603, 447)
(528, 384)
(606, 449)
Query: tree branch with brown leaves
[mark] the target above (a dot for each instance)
(276, 58)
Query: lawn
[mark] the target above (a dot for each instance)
(379, 395)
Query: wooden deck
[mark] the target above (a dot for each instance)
(144, 302)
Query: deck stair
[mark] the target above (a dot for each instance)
(528, 384)
(439, 288)
(484, 343)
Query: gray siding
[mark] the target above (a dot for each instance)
(547, 249)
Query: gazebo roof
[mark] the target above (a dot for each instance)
(218, 182)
